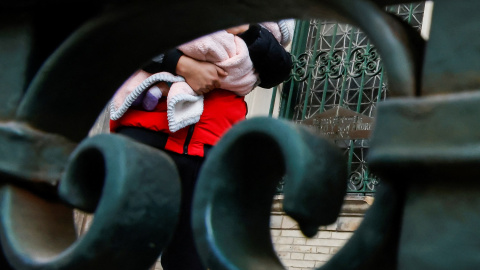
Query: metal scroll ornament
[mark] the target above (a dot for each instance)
(327, 63)
(135, 211)
(53, 88)
(55, 79)
(232, 204)
(59, 80)
(365, 61)
(301, 68)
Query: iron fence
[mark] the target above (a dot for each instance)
(335, 85)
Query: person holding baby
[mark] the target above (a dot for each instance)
(184, 100)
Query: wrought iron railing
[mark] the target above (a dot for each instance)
(425, 145)
(337, 66)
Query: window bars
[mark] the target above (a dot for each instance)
(335, 84)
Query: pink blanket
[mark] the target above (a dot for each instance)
(228, 52)
(223, 49)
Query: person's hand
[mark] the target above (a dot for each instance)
(238, 29)
(202, 77)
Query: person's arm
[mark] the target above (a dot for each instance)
(163, 62)
(202, 77)
(237, 30)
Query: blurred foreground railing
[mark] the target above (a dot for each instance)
(424, 143)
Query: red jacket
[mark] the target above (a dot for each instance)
(221, 110)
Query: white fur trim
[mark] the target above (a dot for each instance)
(184, 110)
(116, 113)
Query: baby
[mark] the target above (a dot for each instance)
(240, 51)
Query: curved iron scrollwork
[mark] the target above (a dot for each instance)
(326, 63)
(45, 174)
(300, 69)
(133, 190)
(361, 61)
(232, 203)
(232, 220)
(364, 61)
(362, 181)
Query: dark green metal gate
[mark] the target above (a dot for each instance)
(336, 66)
(425, 145)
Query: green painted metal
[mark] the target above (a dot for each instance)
(429, 145)
(381, 85)
(342, 88)
(327, 71)
(424, 145)
(297, 38)
(312, 58)
(439, 67)
(110, 176)
(272, 100)
(347, 67)
(233, 218)
(353, 177)
(16, 41)
(410, 14)
(32, 157)
(362, 80)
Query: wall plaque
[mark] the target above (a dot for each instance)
(341, 124)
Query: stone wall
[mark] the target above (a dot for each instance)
(300, 253)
